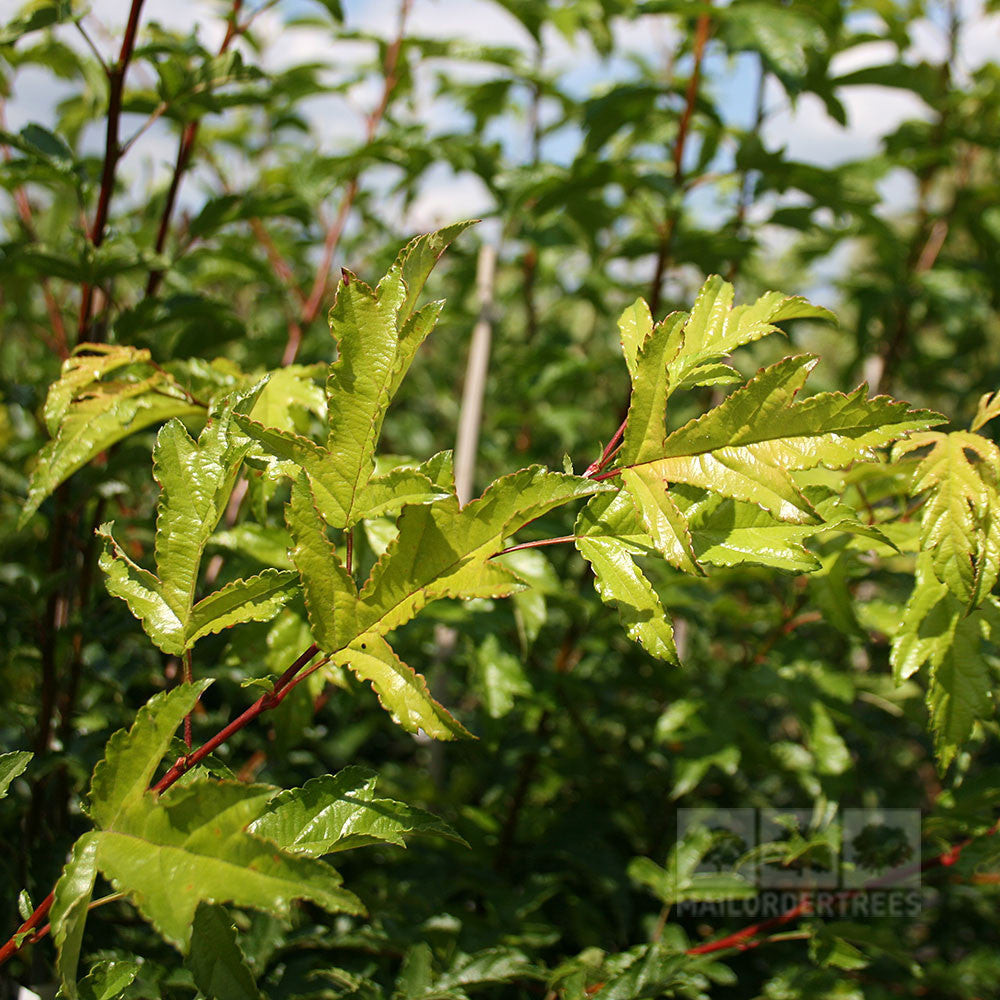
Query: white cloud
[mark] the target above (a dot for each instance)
(446, 196)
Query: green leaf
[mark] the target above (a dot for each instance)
(330, 593)
(680, 881)
(171, 852)
(377, 334)
(342, 811)
(215, 960)
(168, 853)
(257, 599)
(335, 615)
(68, 916)
(444, 551)
(748, 446)
(414, 977)
(730, 533)
(11, 765)
(609, 536)
(936, 630)
(108, 979)
(87, 415)
(714, 329)
(656, 969)
(130, 758)
(287, 388)
(196, 480)
(418, 258)
(491, 965)
(646, 429)
(499, 676)
(365, 325)
(928, 623)
(440, 551)
(986, 410)
(959, 691)
(401, 691)
(784, 38)
(960, 522)
(664, 523)
(36, 16)
(634, 327)
(826, 744)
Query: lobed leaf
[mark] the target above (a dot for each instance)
(196, 480)
(440, 551)
(130, 758)
(959, 522)
(171, 853)
(256, 599)
(378, 333)
(609, 536)
(87, 416)
(748, 446)
(987, 409)
(342, 811)
(401, 691)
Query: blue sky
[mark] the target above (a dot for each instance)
(807, 132)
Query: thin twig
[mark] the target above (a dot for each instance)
(95, 51)
(669, 229)
(535, 545)
(184, 149)
(311, 303)
(609, 450)
(57, 343)
(112, 154)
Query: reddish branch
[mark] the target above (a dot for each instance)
(184, 150)
(669, 228)
(112, 153)
(743, 940)
(57, 342)
(310, 305)
(282, 687)
(608, 453)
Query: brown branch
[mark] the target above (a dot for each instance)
(112, 153)
(669, 229)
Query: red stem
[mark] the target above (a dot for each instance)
(263, 704)
(112, 152)
(741, 939)
(282, 687)
(609, 448)
(41, 911)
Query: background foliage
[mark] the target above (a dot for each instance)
(243, 170)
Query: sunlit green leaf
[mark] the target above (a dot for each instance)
(342, 811)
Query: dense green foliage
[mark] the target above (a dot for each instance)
(287, 713)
